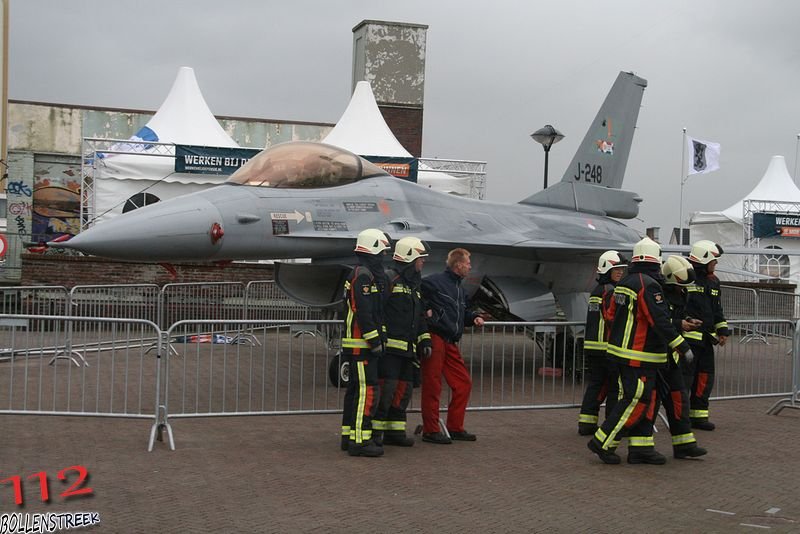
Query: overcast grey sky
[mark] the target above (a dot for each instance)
(728, 70)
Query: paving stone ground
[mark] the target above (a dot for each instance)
(529, 471)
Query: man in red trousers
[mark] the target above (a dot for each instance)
(446, 299)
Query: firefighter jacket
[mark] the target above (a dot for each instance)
(597, 328)
(446, 298)
(364, 295)
(642, 332)
(703, 302)
(676, 298)
(406, 328)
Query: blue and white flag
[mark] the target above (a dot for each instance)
(703, 156)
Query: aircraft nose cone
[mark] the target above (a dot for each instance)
(179, 229)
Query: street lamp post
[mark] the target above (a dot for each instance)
(547, 137)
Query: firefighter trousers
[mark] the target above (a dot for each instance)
(699, 377)
(633, 414)
(396, 384)
(672, 393)
(361, 398)
(445, 359)
(602, 384)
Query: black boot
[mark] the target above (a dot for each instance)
(688, 451)
(398, 439)
(649, 456)
(608, 457)
(345, 442)
(587, 429)
(366, 448)
(704, 425)
(377, 437)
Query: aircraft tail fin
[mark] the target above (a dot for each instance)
(593, 179)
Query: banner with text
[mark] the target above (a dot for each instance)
(405, 168)
(211, 160)
(776, 224)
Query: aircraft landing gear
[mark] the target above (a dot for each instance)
(339, 371)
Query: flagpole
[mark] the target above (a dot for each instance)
(683, 181)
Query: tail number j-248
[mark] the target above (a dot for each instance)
(589, 173)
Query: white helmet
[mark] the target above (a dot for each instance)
(372, 241)
(408, 249)
(678, 271)
(647, 250)
(705, 251)
(609, 260)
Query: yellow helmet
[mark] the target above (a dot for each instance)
(678, 271)
(408, 249)
(609, 260)
(705, 251)
(647, 250)
(371, 241)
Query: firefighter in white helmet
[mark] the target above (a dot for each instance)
(672, 391)
(601, 383)
(407, 338)
(703, 303)
(641, 335)
(363, 342)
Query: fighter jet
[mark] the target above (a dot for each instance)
(310, 200)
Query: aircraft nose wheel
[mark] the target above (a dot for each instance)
(339, 371)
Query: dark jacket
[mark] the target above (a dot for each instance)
(364, 295)
(597, 329)
(703, 302)
(642, 332)
(445, 297)
(406, 327)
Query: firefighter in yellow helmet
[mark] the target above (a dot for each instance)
(641, 335)
(407, 337)
(703, 303)
(672, 392)
(602, 378)
(363, 342)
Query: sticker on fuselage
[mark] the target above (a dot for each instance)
(280, 227)
(330, 226)
(360, 207)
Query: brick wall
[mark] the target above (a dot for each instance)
(68, 271)
(406, 125)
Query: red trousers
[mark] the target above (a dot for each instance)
(445, 359)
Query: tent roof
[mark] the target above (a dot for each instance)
(776, 184)
(362, 129)
(184, 116)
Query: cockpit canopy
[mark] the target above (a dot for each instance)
(304, 165)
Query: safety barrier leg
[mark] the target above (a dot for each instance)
(792, 402)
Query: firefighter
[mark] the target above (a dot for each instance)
(641, 335)
(703, 303)
(363, 342)
(602, 382)
(407, 336)
(672, 392)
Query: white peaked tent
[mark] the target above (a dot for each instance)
(183, 118)
(726, 227)
(362, 130)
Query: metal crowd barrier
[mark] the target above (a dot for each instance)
(55, 365)
(739, 302)
(230, 367)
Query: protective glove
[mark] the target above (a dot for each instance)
(688, 356)
(377, 350)
(426, 352)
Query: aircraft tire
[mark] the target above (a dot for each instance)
(339, 371)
